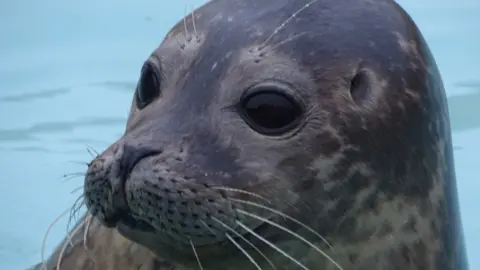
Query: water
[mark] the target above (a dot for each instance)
(67, 72)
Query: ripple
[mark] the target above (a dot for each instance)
(85, 141)
(463, 108)
(31, 133)
(469, 84)
(25, 97)
(31, 149)
(121, 86)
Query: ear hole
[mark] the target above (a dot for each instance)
(359, 87)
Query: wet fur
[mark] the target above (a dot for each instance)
(112, 252)
(377, 175)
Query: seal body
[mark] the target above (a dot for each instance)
(97, 247)
(283, 134)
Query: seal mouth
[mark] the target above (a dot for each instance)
(127, 219)
(116, 209)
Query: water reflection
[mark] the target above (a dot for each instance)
(32, 133)
(464, 108)
(116, 86)
(26, 97)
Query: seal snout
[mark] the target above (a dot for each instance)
(131, 156)
(105, 183)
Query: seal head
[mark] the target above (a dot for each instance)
(309, 135)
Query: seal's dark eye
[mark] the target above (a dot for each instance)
(148, 87)
(270, 112)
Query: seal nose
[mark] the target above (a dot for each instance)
(131, 155)
(127, 158)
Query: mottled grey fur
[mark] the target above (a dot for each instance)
(373, 173)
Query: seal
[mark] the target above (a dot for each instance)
(92, 246)
(283, 134)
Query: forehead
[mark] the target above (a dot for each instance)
(312, 32)
(201, 50)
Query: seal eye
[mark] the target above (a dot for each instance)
(270, 112)
(148, 87)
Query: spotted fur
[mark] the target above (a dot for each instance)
(371, 174)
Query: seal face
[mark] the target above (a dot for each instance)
(284, 134)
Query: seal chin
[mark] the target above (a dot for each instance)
(146, 235)
(127, 220)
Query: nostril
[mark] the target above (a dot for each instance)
(132, 155)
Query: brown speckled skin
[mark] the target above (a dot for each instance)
(372, 171)
(108, 249)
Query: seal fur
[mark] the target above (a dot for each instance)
(369, 165)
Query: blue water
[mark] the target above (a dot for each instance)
(67, 73)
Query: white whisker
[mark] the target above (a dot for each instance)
(185, 21)
(193, 21)
(241, 191)
(42, 252)
(292, 233)
(286, 22)
(285, 216)
(246, 241)
(89, 219)
(74, 209)
(64, 247)
(271, 245)
(196, 255)
(289, 39)
(243, 251)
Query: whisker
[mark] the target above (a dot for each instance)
(284, 216)
(89, 219)
(85, 232)
(242, 191)
(185, 21)
(292, 233)
(79, 162)
(74, 174)
(92, 152)
(76, 189)
(279, 250)
(69, 176)
(42, 251)
(246, 240)
(74, 209)
(196, 254)
(193, 21)
(243, 251)
(66, 179)
(77, 209)
(307, 5)
(289, 39)
(64, 247)
(206, 226)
